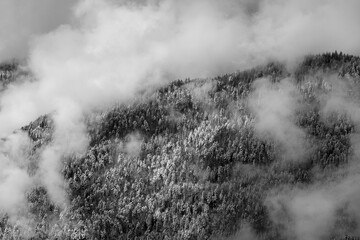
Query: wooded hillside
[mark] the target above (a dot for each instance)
(187, 162)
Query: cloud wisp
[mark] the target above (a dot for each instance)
(274, 106)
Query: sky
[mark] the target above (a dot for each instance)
(92, 52)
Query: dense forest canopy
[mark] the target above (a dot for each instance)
(265, 153)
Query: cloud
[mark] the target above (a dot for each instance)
(14, 178)
(132, 146)
(298, 27)
(303, 214)
(89, 54)
(313, 211)
(23, 19)
(195, 38)
(274, 106)
(69, 138)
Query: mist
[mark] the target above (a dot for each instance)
(313, 211)
(274, 106)
(90, 54)
(227, 35)
(13, 174)
(21, 20)
(132, 145)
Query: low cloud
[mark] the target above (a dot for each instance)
(21, 20)
(314, 211)
(89, 54)
(312, 214)
(132, 144)
(274, 106)
(14, 178)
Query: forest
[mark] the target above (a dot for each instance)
(205, 159)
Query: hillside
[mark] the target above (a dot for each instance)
(232, 157)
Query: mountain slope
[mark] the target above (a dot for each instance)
(195, 160)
